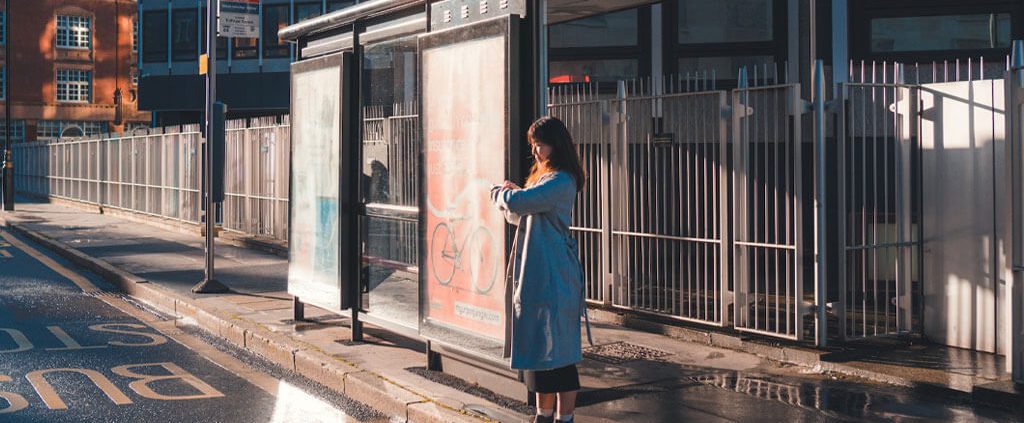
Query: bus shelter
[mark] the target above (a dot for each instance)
(405, 113)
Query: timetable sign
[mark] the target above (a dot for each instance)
(239, 19)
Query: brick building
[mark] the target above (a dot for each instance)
(73, 68)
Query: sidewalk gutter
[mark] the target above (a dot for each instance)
(344, 377)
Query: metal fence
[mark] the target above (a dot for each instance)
(668, 190)
(156, 172)
(879, 173)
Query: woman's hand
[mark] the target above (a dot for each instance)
(510, 185)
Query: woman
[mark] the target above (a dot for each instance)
(545, 269)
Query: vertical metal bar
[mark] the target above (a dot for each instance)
(1015, 125)
(798, 218)
(843, 142)
(821, 289)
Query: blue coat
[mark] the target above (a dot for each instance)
(547, 279)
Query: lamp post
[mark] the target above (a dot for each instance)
(8, 164)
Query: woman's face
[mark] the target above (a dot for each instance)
(540, 151)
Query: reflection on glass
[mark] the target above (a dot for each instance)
(593, 70)
(611, 29)
(390, 185)
(183, 36)
(275, 18)
(154, 36)
(950, 32)
(727, 67)
(305, 11)
(339, 4)
(243, 48)
(724, 21)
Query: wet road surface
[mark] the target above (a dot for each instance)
(73, 350)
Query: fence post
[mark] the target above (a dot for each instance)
(1015, 132)
(820, 256)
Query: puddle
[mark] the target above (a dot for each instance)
(846, 400)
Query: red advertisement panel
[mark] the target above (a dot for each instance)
(465, 129)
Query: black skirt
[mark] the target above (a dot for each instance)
(562, 379)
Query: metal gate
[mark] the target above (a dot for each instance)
(669, 204)
(879, 174)
(768, 199)
(652, 223)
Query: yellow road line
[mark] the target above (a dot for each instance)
(77, 279)
(261, 380)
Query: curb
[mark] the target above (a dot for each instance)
(359, 384)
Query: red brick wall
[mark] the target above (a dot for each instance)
(35, 59)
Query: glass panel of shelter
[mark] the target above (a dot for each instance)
(390, 180)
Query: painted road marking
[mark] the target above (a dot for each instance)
(5, 254)
(77, 279)
(267, 383)
(68, 341)
(15, 402)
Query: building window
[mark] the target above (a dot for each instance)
(305, 11)
(17, 130)
(947, 32)
(74, 32)
(244, 48)
(724, 21)
(715, 39)
(184, 45)
(333, 5)
(275, 18)
(940, 30)
(154, 36)
(604, 48)
(50, 129)
(135, 36)
(74, 86)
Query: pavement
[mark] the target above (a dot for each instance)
(59, 324)
(641, 370)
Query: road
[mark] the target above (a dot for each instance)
(74, 350)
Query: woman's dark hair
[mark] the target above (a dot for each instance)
(552, 132)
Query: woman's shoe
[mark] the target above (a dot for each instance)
(543, 419)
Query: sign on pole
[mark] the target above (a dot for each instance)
(239, 19)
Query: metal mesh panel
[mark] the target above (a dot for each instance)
(767, 200)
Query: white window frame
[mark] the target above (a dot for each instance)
(74, 32)
(74, 86)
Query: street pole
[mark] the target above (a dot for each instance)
(8, 173)
(209, 284)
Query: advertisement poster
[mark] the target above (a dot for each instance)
(465, 124)
(313, 254)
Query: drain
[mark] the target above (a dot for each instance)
(622, 352)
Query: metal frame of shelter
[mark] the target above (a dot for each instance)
(460, 349)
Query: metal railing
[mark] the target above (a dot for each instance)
(156, 172)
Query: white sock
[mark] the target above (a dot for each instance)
(564, 417)
(545, 412)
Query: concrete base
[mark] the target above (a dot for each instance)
(497, 378)
(1005, 394)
